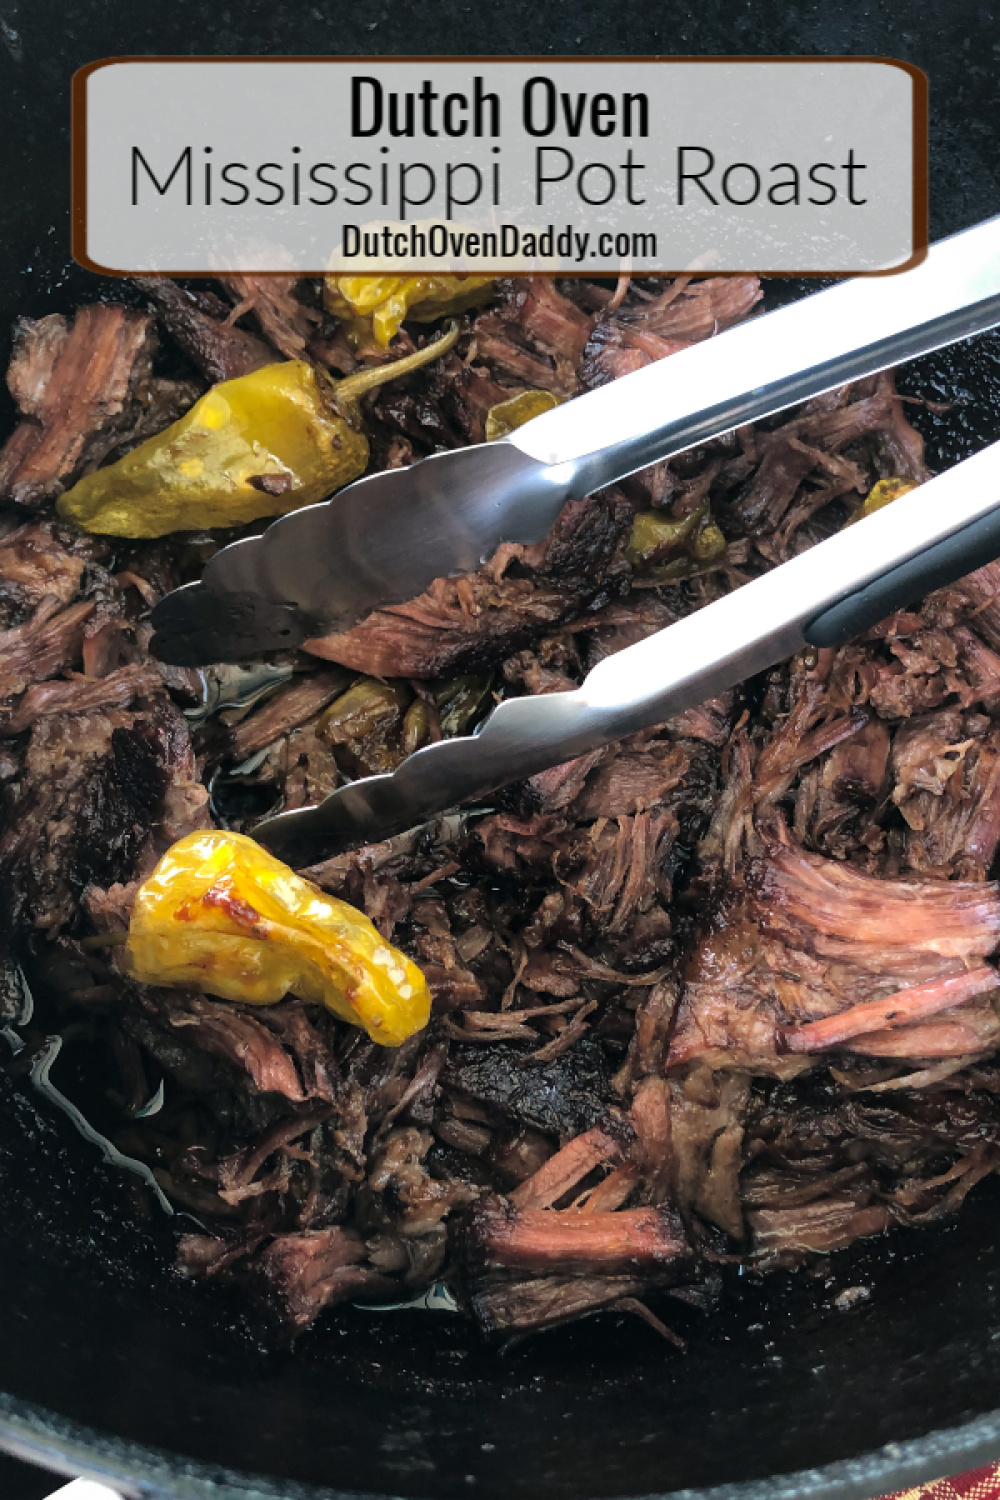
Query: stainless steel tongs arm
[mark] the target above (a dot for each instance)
(927, 538)
(386, 538)
(769, 363)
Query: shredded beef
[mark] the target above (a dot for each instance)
(198, 323)
(77, 387)
(103, 792)
(536, 335)
(725, 991)
(512, 1307)
(284, 320)
(638, 333)
(79, 694)
(465, 625)
(810, 939)
(287, 711)
(47, 643)
(35, 565)
(549, 1242)
(303, 1273)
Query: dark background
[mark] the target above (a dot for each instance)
(24, 1481)
(42, 41)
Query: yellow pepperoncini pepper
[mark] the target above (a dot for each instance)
(884, 492)
(260, 445)
(377, 305)
(458, 700)
(515, 411)
(221, 913)
(366, 721)
(672, 549)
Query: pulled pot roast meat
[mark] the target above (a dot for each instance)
(725, 990)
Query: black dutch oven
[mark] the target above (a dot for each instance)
(111, 1366)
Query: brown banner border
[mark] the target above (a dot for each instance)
(78, 144)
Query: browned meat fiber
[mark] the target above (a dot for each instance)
(723, 993)
(82, 388)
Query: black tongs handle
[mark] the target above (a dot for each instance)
(938, 565)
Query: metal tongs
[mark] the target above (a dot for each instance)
(384, 539)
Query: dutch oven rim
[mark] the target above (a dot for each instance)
(37, 1436)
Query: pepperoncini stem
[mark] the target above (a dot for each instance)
(353, 387)
(221, 913)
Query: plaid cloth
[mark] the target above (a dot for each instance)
(975, 1484)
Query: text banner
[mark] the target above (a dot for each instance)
(789, 166)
